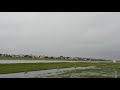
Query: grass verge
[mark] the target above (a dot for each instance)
(14, 68)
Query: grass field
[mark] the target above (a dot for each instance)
(102, 70)
(14, 68)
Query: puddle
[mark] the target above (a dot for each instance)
(41, 61)
(42, 73)
(90, 73)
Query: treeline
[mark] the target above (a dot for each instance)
(50, 57)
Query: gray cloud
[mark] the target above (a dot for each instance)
(84, 34)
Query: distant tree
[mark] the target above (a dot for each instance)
(61, 56)
(51, 57)
(46, 56)
(28, 56)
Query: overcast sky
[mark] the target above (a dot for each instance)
(83, 34)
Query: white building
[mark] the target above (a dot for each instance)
(114, 61)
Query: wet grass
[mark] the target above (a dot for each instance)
(14, 68)
(102, 70)
(85, 74)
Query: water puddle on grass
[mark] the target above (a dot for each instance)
(34, 61)
(89, 73)
(42, 73)
(43, 61)
(78, 72)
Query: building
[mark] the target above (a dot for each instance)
(114, 61)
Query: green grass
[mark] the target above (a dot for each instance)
(96, 76)
(14, 68)
(102, 70)
(111, 66)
